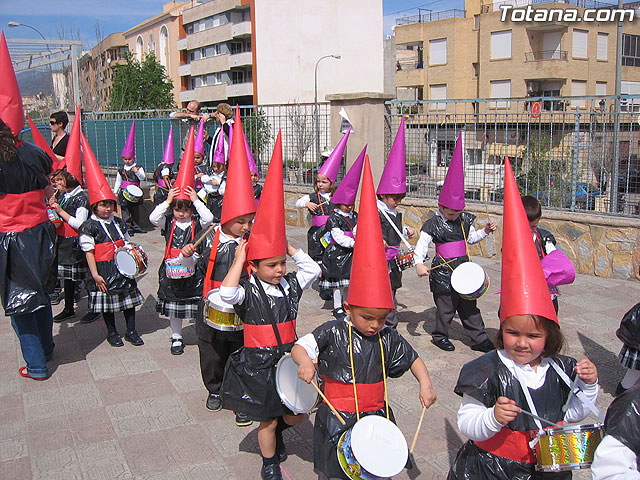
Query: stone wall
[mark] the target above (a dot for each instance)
(606, 246)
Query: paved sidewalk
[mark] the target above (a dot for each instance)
(139, 412)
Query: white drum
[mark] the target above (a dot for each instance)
(298, 395)
(176, 270)
(131, 260)
(374, 448)
(132, 193)
(469, 280)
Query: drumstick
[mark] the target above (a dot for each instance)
(333, 409)
(543, 420)
(415, 437)
(204, 235)
(442, 264)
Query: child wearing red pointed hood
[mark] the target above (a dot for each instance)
(526, 373)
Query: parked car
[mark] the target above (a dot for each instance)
(586, 194)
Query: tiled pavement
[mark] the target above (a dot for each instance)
(138, 412)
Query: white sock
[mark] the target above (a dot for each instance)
(630, 379)
(337, 298)
(176, 327)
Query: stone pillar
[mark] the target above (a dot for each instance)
(367, 114)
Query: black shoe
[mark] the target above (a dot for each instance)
(339, 313)
(214, 403)
(55, 298)
(63, 315)
(326, 294)
(89, 317)
(484, 346)
(133, 338)
(115, 340)
(242, 420)
(271, 472)
(443, 344)
(619, 390)
(131, 233)
(177, 346)
(139, 230)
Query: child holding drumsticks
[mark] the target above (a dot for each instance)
(451, 230)
(357, 354)
(527, 375)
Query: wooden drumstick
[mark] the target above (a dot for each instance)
(415, 437)
(333, 409)
(204, 235)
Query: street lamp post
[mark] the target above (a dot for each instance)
(315, 103)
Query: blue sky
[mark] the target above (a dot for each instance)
(78, 17)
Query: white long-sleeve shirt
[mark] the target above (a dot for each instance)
(140, 174)
(81, 214)
(479, 423)
(422, 247)
(88, 243)
(308, 271)
(303, 200)
(614, 461)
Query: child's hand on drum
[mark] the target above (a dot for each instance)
(427, 395)
(490, 227)
(306, 373)
(172, 194)
(100, 283)
(587, 371)
(505, 410)
(422, 270)
(188, 250)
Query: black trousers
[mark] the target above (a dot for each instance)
(215, 346)
(447, 304)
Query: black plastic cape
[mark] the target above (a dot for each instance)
(334, 362)
(249, 384)
(392, 238)
(444, 231)
(315, 249)
(336, 261)
(486, 379)
(623, 420)
(28, 266)
(629, 331)
(69, 251)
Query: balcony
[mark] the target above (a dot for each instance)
(187, 95)
(210, 36)
(209, 93)
(431, 17)
(242, 29)
(240, 89)
(545, 55)
(217, 63)
(184, 70)
(240, 59)
(182, 44)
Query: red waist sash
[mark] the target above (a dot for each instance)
(451, 249)
(370, 395)
(262, 336)
(66, 230)
(21, 211)
(107, 250)
(511, 444)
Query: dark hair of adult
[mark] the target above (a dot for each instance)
(8, 143)
(532, 207)
(61, 117)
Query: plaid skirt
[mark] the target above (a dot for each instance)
(329, 282)
(629, 357)
(75, 272)
(100, 302)
(177, 308)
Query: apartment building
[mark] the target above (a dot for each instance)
(159, 35)
(269, 52)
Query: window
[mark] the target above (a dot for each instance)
(240, 76)
(501, 44)
(476, 69)
(437, 92)
(206, 80)
(630, 88)
(476, 22)
(474, 156)
(139, 47)
(630, 50)
(501, 89)
(579, 43)
(438, 51)
(163, 46)
(578, 89)
(603, 43)
(601, 88)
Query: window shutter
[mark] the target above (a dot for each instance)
(580, 43)
(438, 51)
(603, 42)
(501, 44)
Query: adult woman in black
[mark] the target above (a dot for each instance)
(58, 122)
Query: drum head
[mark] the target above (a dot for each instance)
(467, 278)
(134, 191)
(214, 300)
(379, 446)
(297, 395)
(126, 263)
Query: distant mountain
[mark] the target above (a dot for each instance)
(32, 82)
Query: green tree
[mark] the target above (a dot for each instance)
(257, 130)
(141, 85)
